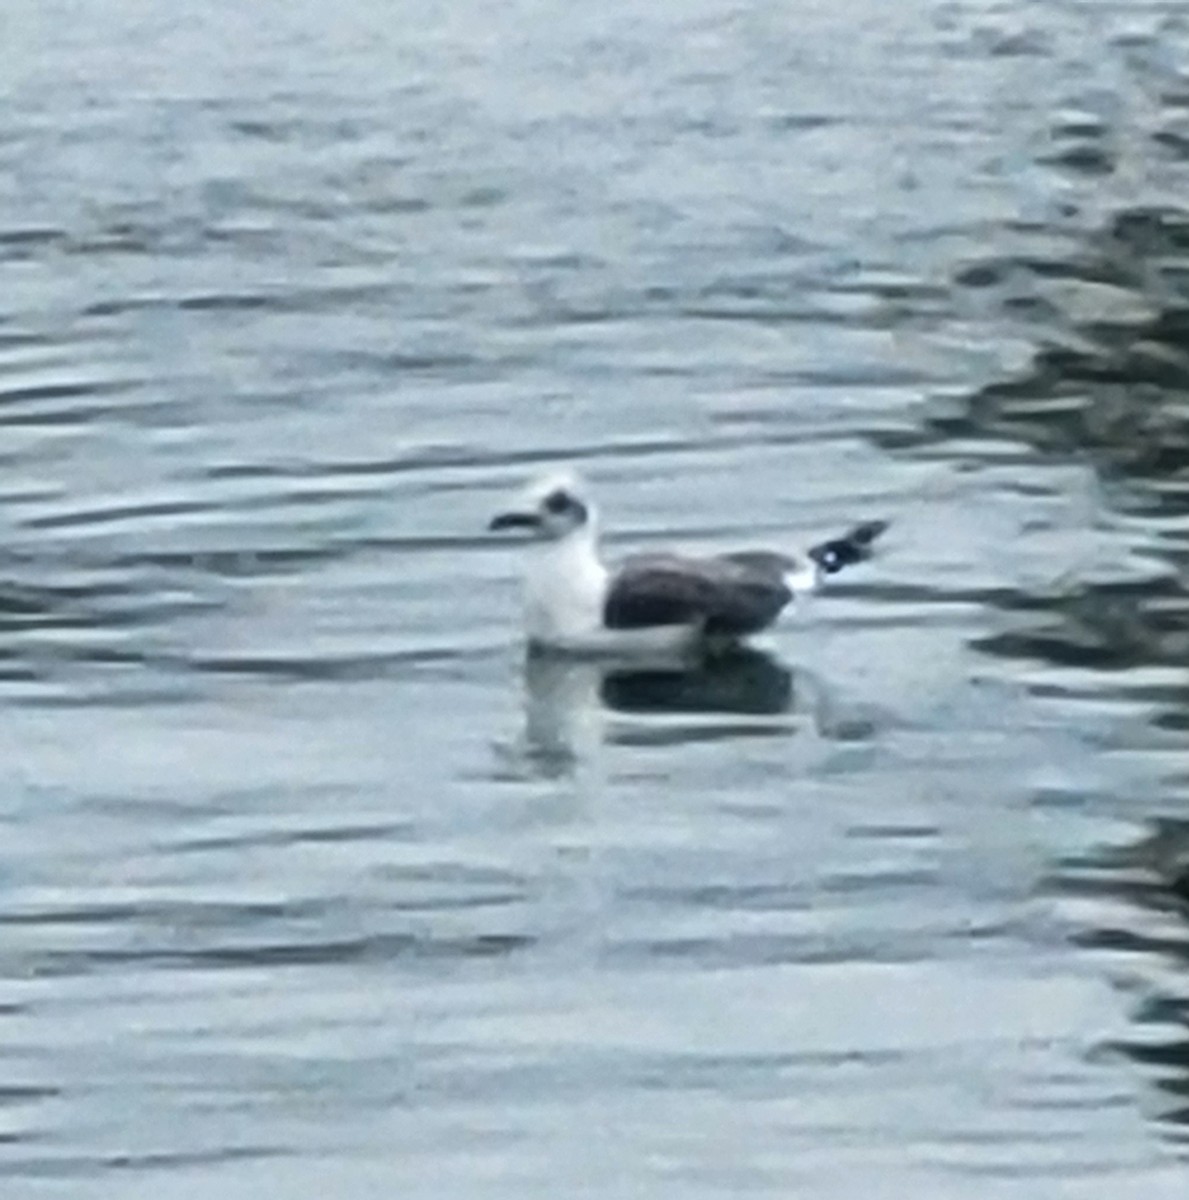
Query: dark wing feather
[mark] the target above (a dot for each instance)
(730, 594)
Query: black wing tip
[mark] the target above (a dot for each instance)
(851, 548)
(867, 532)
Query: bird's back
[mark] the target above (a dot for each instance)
(730, 594)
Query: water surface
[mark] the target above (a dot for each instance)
(310, 884)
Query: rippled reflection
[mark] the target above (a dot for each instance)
(1145, 926)
(571, 704)
(746, 681)
(1098, 614)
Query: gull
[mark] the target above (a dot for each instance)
(652, 603)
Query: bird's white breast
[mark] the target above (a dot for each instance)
(565, 588)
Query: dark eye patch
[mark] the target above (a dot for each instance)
(560, 503)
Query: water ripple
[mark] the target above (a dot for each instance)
(310, 877)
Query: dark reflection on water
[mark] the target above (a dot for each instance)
(1148, 883)
(570, 705)
(575, 707)
(1118, 626)
(1103, 310)
(1106, 385)
(744, 681)
(1109, 377)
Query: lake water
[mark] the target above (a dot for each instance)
(310, 885)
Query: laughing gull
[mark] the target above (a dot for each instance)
(658, 603)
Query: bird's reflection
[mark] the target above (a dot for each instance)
(571, 705)
(745, 682)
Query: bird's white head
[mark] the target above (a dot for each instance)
(565, 583)
(553, 508)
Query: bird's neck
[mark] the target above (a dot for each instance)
(566, 585)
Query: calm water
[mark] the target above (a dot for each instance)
(310, 885)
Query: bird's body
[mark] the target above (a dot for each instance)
(652, 603)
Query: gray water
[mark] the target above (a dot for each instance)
(310, 885)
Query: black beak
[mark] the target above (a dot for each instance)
(514, 520)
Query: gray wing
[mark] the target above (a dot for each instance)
(734, 594)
